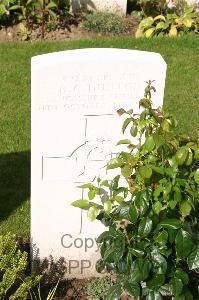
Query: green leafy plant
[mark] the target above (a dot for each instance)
(45, 11)
(153, 7)
(25, 13)
(14, 283)
(104, 22)
(171, 25)
(150, 209)
(6, 9)
(33, 13)
(97, 288)
(24, 32)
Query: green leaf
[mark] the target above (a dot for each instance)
(170, 171)
(100, 265)
(91, 194)
(186, 295)
(140, 269)
(108, 206)
(114, 163)
(15, 7)
(122, 266)
(114, 182)
(145, 172)
(166, 290)
(156, 282)
(162, 237)
(126, 171)
(86, 186)
(107, 252)
(142, 202)
(159, 262)
(136, 252)
(177, 286)
(80, 203)
(114, 292)
(188, 22)
(196, 154)
(159, 170)
(165, 250)
(165, 125)
(149, 144)
(103, 236)
(118, 199)
(177, 194)
(146, 23)
(133, 214)
(181, 155)
(158, 191)
(196, 176)
(170, 224)
(179, 273)
(159, 140)
(173, 203)
(154, 296)
(166, 190)
(124, 212)
(134, 130)
(130, 111)
(193, 259)
(124, 142)
(93, 213)
(128, 213)
(145, 227)
(132, 289)
(104, 183)
(185, 209)
(183, 243)
(51, 4)
(172, 235)
(119, 248)
(189, 159)
(161, 25)
(158, 207)
(128, 158)
(126, 123)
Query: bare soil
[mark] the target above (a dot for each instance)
(72, 32)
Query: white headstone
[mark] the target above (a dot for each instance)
(75, 96)
(117, 6)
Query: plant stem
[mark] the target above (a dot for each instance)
(126, 234)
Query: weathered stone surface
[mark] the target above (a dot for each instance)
(118, 6)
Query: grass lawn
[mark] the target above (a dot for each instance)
(181, 98)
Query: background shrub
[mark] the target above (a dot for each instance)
(153, 7)
(150, 209)
(14, 281)
(104, 22)
(170, 24)
(97, 288)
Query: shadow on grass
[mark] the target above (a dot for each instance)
(14, 181)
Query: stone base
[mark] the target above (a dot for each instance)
(117, 6)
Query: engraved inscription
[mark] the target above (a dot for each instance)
(82, 91)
